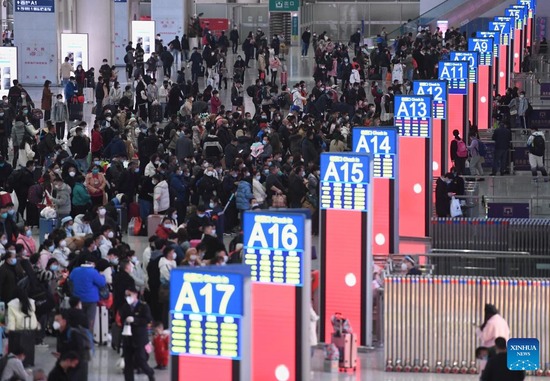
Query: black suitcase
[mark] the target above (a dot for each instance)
(122, 219)
(26, 341)
(76, 111)
(156, 113)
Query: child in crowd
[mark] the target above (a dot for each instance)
(161, 341)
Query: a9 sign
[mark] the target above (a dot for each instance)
(482, 45)
(418, 106)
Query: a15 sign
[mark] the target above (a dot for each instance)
(345, 168)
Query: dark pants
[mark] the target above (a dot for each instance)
(80, 373)
(234, 46)
(60, 130)
(4, 146)
(168, 71)
(181, 208)
(90, 310)
(501, 157)
(135, 356)
(47, 114)
(460, 165)
(129, 71)
(194, 75)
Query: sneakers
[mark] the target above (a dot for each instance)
(42, 345)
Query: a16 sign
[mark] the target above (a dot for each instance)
(274, 231)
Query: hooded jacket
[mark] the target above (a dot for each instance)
(62, 199)
(161, 198)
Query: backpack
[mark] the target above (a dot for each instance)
(462, 149)
(481, 148)
(14, 180)
(4, 361)
(537, 146)
(250, 91)
(87, 341)
(265, 93)
(126, 59)
(281, 101)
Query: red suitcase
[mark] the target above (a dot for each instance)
(133, 210)
(284, 77)
(347, 346)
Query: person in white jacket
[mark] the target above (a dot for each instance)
(297, 98)
(151, 167)
(26, 154)
(166, 264)
(137, 271)
(164, 90)
(161, 196)
(81, 227)
(354, 77)
(21, 312)
(61, 252)
(115, 94)
(258, 189)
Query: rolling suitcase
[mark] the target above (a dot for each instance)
(153, 221)
(76, 111)
(122, 219)
(25, 340)
(284, 77)
(116, 335)
(88, 95)
(347, 346)
(101, 325)
(46, 227)
(156, 113)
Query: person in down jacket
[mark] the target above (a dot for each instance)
(161, 198)
(244, 194)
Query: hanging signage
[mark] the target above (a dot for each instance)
(413, 115)
(438, 91)
(283, 5)
(8, 68)
(35, 6)
(485, 48)
(504, 29)
(75, 46)
(456, 73)
(143, 32)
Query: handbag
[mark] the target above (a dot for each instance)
(456, 209)
(513, 112)
(278, 201)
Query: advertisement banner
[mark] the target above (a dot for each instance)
(540, 28)
(143, 32)
(215, 25)
(75, 46)
(8, 68)
(121, 39)
(39, 61)
(521, 159)
(169, 28)
(540, 118)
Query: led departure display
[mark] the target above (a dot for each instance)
(272, 248)
(206, 309)
(485, 48)
(496, 40)
(344, 181)
(473, 62)
(413, 115)
(438, 91)
(382, 142)
(457, 74)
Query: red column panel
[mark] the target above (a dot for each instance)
(503, 69)
(483, 97)
(381, 216)
(204, 368)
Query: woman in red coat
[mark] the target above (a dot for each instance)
(97, 140)
(165, 228)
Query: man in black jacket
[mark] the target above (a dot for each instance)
(137, 315)
(234, 37)
(167, 61)
(497, 366)
(69, 339)
(80, 147)
(122, 281)
(306, 36)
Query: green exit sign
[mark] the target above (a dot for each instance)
(283, 5)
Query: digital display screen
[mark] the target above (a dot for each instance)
(504, 29)
(529, 4)
(457, 74)
(438, 91)
(380, 141)
(485, 48)
(344, 181)
(206, 309)
(496, 40)
(274, 247)
(413, 115)
(473, 62)
(517, 15)
(523, 12)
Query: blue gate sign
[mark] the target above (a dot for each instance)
(413, 115)
(438, 91)
(36, 6)
(504, 29)
(473, 62)
(380, 141)
(517, 15)
(274, 246)
(496, 40)
(344, 181)
(485, 48)
(206, 310)
(456, 73)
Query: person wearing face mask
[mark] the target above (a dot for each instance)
(95, 185)
(208, 184)
(10, 273)
(102, 221)
(196, 222)
(161, 194)
(61, 251)
(164, 228)
(22, 317)
(80, 148)
(25, 239)
(443, 195)
(179, 187)
(137, 272)
(61, 197)
(191, 258)
(166, 264)
(71, 339)
(408, 266)
(46, 253)
(138, 315)
(106, 245)
(122, 280)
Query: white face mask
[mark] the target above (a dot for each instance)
(102, 212)
(193, 257)
(111, 235)
(63, 243)
(4, 241)
(56, 325)
(130, 300)
(404, 266)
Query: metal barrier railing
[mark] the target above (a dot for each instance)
(492, 234)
